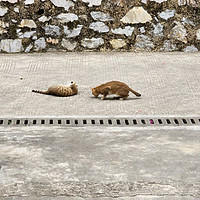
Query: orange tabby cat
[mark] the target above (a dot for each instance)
(60, 90)
(113, 87)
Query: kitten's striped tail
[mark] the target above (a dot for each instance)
(41, 92)
(134, 92)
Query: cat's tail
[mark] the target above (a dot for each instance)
(134, 92)
(41, 92)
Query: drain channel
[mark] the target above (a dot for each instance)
(100, 121)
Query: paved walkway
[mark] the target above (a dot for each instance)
(169, 83)
(99, 163)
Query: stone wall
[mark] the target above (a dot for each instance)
(99, 25)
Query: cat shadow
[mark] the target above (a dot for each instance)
(116, 98)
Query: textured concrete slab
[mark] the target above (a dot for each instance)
(100, 163)
(168, 82)
(140, 197)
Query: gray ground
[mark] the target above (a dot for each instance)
(100, 163)
(169, 83)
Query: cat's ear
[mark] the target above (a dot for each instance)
(92, 89)
(107, 89)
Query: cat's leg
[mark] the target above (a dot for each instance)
(123, 98)
(122, 94)
(104, 96)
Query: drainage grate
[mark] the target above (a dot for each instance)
(101, 121)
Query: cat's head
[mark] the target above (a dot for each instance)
(94, 92)
(73, 84)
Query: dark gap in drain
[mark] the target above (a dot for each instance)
(59, 121)
(1, 121)
(143, 121)
(192, 120)
(93, 121)
(160, 121)
(51, 121)
(18, 121)
(118, 122)
(26, 122)
(134, 121)
(109, 121)
(67, 121)
(34, 121)
(176, 121)
(9, 121)
(126, 122)
(184, 121)
(84, 121)
(42, 121)
(101, 121)
(76, 121)
(151, 121)
(168, 121)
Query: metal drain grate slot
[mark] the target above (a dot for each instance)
(103, 121)
(135, 121)
(193, 121)
(126, 122)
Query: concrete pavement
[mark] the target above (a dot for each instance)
(100, 163)
(168, 82)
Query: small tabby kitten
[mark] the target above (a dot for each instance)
(60, 90)
(113, 87)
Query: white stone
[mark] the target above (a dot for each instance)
(136, 15)
(128, 31)
(158, 29)
(142, 30)
(191, 48)
(35, 37)
(67, 17)
(44, 19)
(159, 1)
(92, 43)
(4, 24)
(28, 23)
(198, 34)
(179, 32)
(74, 32)
(187, 21)
(27, 2)
(13, 21)
(52, 30)
(67, 44)
(11, 1)
(117, 43)
(40, 44)
(144, 1)
(27, 34)
(167, 14)
(16, 10)
(3, 11)
(100, 16)
(168, 46)
(63, 3)
(99, 26)
(28, 49)
(11, 46)
(93, 2)
(143, 42)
